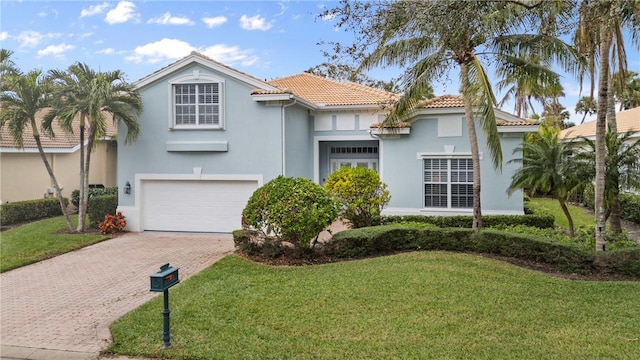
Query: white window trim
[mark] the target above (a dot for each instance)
(196, 78)
(448, 182)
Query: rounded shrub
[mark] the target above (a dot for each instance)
(360, 193)
(295, 210)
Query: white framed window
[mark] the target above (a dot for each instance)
(196, 101)
(448, 182)
(197, 105)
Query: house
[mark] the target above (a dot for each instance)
(23, 175)
(211, 135)
(627, 120)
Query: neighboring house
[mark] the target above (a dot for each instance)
(23, 175)
(627, 120)
(211, 135)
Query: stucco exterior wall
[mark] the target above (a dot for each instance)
(23, 175)
(402, 167)
(252, 133)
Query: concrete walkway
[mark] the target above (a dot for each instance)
(62, 308)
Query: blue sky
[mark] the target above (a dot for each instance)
(267, 39)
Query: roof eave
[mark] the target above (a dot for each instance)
(518, 128)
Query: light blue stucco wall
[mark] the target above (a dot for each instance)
(402, 169)
(298, 144)
(252, 133)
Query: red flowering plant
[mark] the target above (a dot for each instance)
(112, 223)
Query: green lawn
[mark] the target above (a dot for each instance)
(36, 241)
(578, 214)
(410, 306)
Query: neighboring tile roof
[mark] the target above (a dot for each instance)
(62, 139)
(500, 122)
(628, 120)
(322, 91)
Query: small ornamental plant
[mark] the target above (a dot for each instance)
(112, 223)
(360, 193)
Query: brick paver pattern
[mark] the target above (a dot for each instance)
(68, 302)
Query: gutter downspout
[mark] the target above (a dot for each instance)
(282, 111)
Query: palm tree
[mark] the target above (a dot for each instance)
(599, 32)
(25, 95)
(547, 167)
(7, 67)
(622, 165)
(432, 37)
(89, 95)
(627, 90)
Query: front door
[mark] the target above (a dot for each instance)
(351, 163)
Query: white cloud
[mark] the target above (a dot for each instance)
(167, 19)
(30, 38)
(4, 35)
(123, 12)
(55, 50)
(86, 35)
(214, 21)
(173, 49)
(283, 8)
(255, 23)
(230, 55)
(109, 51)
(94, 10)
(165, 49)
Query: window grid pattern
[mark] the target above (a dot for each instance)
(354, 150)
(197, 104)
(448, 183)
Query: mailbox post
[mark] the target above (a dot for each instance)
(161, 282)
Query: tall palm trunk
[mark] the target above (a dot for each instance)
(601, 121)
(82, 205)
(473, 142)
(614, 208)
(36, 136)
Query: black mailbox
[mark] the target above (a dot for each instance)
(165, 278)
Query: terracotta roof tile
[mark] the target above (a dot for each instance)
(628, 120)
(322, 91)
(444, 101)
(62, 139)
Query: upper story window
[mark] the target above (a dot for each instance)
(197, 102)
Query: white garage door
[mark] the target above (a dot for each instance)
(196, 205)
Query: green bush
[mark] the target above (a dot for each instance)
(465, 221)
(75, 194)
(589, 197)
(630, 207)
(99, 206)
(23, 211)
(360, 194)
(295, 210)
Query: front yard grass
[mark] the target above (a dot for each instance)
(414, 305)
(39, 240)
(581, 218)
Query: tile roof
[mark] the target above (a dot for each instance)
(322, 91)
(62, 139)
(628, 120)
(444, 101)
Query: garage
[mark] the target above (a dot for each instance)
(194, 205)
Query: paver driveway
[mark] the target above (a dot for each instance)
(68, 302)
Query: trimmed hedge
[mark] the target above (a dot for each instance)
(543, 221)
(75, 194)
(630, 207)
(99, 206)
(565, 257)
(22, 211)
(389, 239)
